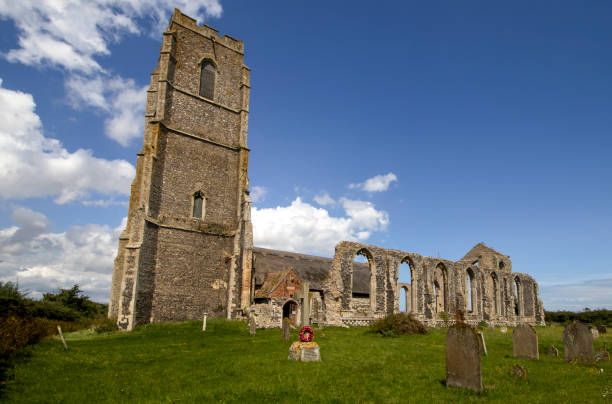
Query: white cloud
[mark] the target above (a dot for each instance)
(32, 165)
(594, 294)
(71, 34)
(378, 183)
(258, 194)
(120, 98)
(41, 260)
(305, 228)
(324, 199)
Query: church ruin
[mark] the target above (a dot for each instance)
(188, 245)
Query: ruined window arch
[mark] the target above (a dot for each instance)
(405, 273)
(502, 265)
(517, 297)
(470, 291)
(436, 293)
(404, 304)
(363, 285)
(495, 293)
(440, 284)
(198, 203)
(208, 74)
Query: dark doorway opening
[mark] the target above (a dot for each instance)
(290, 311)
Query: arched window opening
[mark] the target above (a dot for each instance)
(207, 79)
(495, 293)
(364, 282)
(502, 265)
(405, 277)
(470, 291)
(436, 291)
(403, 299)
(517, 296)
(199, 205)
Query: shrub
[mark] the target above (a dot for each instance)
(398, 324)
(483, 325)
(105, 325)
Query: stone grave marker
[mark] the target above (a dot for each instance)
(578, 343)
(518, 371)
(525, 342)
(503, 330)
(483, 345)
(601, 329)
(463, 363)
(305, 350)
(286, 333)
(553, 351)
(204, 322)
(252, 324)
(602, 355)
(595, 333)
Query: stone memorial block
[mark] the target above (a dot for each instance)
(305, 350)
(553, 351)
(518, 371)
(252, 325)
(595, 333)
(525, 342)
(602, 329)
(463, 367)
(578, 343)
(602, 355)
(483, 345)
(503, 330)
(286, 333)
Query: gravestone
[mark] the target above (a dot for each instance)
(463, 367)
(286, 329)
(602, 329)
(204, 322)
(602, 355)
(503, 330)
(518, 371)
(252, 325)
(305, 350)
(553, 351)
(578, 343)
(595, 333)
(525, 342)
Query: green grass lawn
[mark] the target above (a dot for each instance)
(179, 363)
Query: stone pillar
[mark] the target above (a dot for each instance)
(305, 304)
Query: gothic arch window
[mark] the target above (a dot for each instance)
(199, 205)
(208, 75)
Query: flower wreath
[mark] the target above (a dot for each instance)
(306, 333)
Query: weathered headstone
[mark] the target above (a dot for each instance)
(602, 329)
(553, 351)
(518, 371)
(286, 334)
(483, 345)
(463, 367)
(252, 325)
(602, 355)
(503, 330)
(594, 333)
(204, 322)
(578, 343)
(305, 350)
(525, 342)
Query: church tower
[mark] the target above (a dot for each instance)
(187, 247)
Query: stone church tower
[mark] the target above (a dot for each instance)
(187, 248)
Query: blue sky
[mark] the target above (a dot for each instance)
(423, 127)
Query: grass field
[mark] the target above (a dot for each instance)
(179, 363)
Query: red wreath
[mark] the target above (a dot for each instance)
(306, 333)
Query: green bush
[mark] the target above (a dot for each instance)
(398, 324)
(483, 325)
(105, 324)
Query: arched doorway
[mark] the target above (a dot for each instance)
(290, 309)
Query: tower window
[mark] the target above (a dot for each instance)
(199, 205)
(207, 79)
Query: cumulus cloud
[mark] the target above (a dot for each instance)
(120, 98)
(595, 294)
(41, 260)
(71, 34)
(378, 183)
(32, 165)
(324, 199)
(305, 228)
(258, 194)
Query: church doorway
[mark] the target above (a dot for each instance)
(290, 311)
